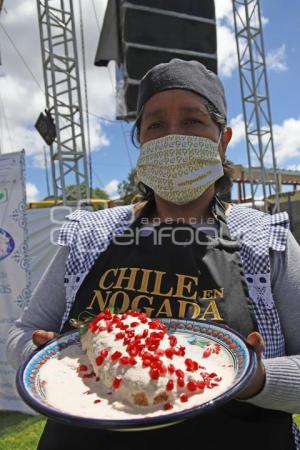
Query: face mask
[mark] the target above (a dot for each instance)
(179, 168)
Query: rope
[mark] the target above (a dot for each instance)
(22, 58)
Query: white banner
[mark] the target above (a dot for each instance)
(15, 286)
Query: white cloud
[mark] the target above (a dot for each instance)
(227, 53)
(31, 192)
(223, 9)
(238, 130)
(287, 140)
(294, 167)
(112, 187)
(23, 99)
(277, 59)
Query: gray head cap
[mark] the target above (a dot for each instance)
(180, 74)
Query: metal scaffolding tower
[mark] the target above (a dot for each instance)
(255, 97)
(63, 98)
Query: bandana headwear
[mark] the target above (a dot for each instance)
(179, 168)
(179, 74)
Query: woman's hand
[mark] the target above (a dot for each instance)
(258, 380)
(41, 337)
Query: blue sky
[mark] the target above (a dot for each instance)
(22, 100)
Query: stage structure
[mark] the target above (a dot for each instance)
(63, 98)
(138, 34)
(256, 101)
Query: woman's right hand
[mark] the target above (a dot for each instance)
(41, 337)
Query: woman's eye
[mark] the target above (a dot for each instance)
(154, 125)
(193, 121)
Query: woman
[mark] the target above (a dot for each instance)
(237, 269)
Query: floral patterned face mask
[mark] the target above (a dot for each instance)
(179, 168)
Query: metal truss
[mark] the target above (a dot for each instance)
(255, 99)
(63, 98)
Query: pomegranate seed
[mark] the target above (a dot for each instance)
(154, 374)
(99, 360)
(117, 381)
(154, 324)
(92, 327)
(132, 361)
(97, 401)
(168, 406)
(146, 362)
(140, 348)
(130, 333)
(133, 351)
(179, 373)
(169, 353)
(152, 347)
(181, 351)
(89, 375)
(125, 360)
(206, 353)
(171, 368)
(156, 364)
(173, 340)
(120, 335)
(212, 375)
(116, 355)
(145, 333)
(191, 365)
(82, 368)
(191, 385)
(104, 353)
(200, 384)
(180, 382)
(134, 324)
(170, 385)
(163, 370)
(184, 398)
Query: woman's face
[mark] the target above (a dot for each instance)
(177, 111)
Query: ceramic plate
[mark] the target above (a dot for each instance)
(50, 383)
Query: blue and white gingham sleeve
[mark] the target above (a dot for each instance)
(68, 230)
(279, 230)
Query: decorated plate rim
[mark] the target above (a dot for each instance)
(179, 325)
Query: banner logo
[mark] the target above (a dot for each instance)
(7, 244)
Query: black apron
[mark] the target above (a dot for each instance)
(175, 271)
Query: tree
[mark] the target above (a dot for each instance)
(128, 188)
(72, 193)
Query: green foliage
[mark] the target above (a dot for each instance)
(128, 188)
(72, 193)
(297, 419)
(20, 431)
(99, 193)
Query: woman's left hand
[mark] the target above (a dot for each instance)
(258, 380)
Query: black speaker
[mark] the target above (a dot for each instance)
(139, 34)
